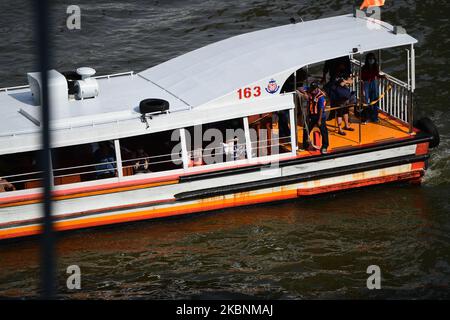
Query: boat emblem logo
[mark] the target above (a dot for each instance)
(272, 87)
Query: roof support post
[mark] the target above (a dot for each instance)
(292, 116)
(412, 89)
(118, 159)
(184, 151)
(413, 68)
(360, 87)
(408, 66)
(379, 59)
(248, 142)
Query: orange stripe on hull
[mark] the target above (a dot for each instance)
(38, 197)
(422, 149)
(360, 183)
(239, 199)
(152, 214)
(418, 166)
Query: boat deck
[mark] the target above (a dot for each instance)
(387, 129)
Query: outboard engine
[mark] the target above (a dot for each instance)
(87, 87)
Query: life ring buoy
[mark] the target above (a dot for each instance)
(427, 126)
(153, 105)
(316, 138)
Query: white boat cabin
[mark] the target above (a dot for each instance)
(237, 87)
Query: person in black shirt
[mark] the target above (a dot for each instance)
(341, 97)
(338, 67)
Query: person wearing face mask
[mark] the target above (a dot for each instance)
(370, 73)
(316, 114)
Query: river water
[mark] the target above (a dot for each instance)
(310, 248)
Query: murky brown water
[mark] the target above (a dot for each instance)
(314, 248)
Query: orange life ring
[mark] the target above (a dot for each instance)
(316, 138)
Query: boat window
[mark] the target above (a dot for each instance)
(153, 152)
(270, 133)
(84, 162)
(19, 171)
(216, 142)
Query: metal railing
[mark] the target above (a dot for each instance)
(396, 101)
(106, 76)
(94, 170)
(34, 177)
(14, 88)
(395, 96)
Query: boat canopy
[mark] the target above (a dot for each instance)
(209, 73)
(201, 86)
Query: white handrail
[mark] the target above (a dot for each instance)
(6, 89)
(108, 76)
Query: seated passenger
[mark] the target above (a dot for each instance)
(316, 116)
(370, 73)
(6, 186)
(105, 161)
(142, 162)
(341, 97)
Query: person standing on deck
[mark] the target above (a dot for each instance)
(336, 68)
(316, 115)
(370, 73)
(341, 97)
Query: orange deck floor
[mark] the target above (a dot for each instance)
(386, 130)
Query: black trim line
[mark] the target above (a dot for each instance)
(206, 193)
(419, 138)
(327, 173)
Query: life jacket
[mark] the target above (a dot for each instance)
(314, 102)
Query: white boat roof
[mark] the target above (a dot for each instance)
(211, 72)
(205, 78)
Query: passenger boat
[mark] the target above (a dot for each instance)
(204, 131)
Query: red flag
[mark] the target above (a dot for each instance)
(372, 3)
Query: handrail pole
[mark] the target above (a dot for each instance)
(184, 149)
(248, 142)
(118, 159)
(293, 131)
(413, 88)
(360, 86)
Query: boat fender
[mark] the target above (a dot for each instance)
(153, 106)
(427, 126)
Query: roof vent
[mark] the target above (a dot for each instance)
(87, 87)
